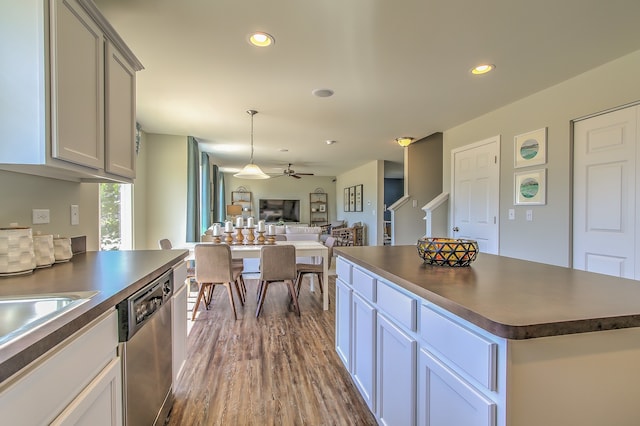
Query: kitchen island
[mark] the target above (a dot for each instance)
(70, 365)
(502, 342)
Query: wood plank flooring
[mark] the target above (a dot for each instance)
(279, 369)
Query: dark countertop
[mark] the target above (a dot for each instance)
(510, 298)
(116, 275)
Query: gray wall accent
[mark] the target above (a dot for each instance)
(424, 182)
(20, 193)
(547, 238)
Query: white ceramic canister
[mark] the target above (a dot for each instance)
(43, 248)
(62, 249)
(16, 251)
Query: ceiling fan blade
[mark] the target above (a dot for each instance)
(295, 176)
(305, 174)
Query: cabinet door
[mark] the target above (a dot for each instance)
(343, 323)
(396, 375)
(364, 349)
(179, 331)
(99, 404)
(120, 126)
(77, 86)
(446, 399)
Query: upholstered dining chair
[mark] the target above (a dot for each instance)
(165, 244)
(277, 264)
(213, 267)
(314, 268)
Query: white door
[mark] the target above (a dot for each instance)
(604, 200)
(475, 172)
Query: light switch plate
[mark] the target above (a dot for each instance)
(40, 216)
(75, 214)
(512, 214)
(529, 215)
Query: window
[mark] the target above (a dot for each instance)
(116, 224)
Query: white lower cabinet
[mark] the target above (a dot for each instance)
(343, 323)
(364, 349)
(76, 382)
(414, 363)
(99, 404)
(445, 399)
(396, 375)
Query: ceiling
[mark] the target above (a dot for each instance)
(398, 68)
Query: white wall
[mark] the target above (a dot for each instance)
(20, 193)
(547, 238)
(284, 188)
(371, 176)
(166, 190)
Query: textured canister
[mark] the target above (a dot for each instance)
(43, 249)
(16, 250)
(62, 249)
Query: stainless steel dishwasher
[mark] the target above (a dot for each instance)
(145, 336)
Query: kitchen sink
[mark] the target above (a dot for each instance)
(20, 315)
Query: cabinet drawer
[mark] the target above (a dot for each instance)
(343, 270)
(471, 352)
(398, 305)
(364, 284)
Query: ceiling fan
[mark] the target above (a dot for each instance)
(292, 173)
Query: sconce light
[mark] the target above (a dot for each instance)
(404, 141)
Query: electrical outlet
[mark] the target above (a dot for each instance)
(75, 214)
(40, 216)
(512, 214)
(529, 215)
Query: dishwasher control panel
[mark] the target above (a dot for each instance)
(135, 311)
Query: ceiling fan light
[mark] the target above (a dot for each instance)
(252, 171)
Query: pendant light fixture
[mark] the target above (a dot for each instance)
(251, 171)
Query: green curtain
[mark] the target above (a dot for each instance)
(205, 190)
(193, 179)
(219, 204)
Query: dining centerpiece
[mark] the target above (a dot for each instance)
(447, 251)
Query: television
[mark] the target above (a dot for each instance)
(276, 210)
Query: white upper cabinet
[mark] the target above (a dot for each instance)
(70, 92)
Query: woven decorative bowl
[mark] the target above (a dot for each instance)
(447, 251)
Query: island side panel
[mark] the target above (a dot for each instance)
(578, 379)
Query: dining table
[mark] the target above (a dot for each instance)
(313, 249)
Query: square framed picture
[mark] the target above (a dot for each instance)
(530, 187)
(322, 208)
(345, 201)
(530, 149)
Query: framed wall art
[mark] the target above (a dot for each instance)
(530, 187)
(530, 149)
(358, 198)
(345, 201)
(352, 198)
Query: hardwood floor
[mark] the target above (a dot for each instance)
(278, 369)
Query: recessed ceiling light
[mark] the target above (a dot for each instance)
(261, 39)
(330, 142)
(322, 93)
(482, 69)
